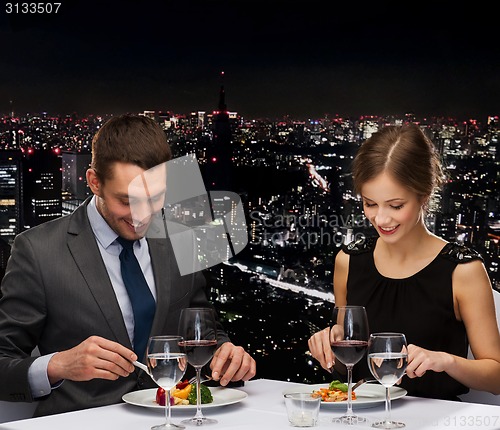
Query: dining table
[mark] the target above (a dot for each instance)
(261, 406)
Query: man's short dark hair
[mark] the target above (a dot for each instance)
(129, 139)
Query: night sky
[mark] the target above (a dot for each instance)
(306, 59)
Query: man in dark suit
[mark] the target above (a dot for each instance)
(63, 290)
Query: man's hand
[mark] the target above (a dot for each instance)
(95, 357)
(232, 363)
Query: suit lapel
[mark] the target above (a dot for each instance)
(83, 247)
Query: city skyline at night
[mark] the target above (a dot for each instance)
(294, 181)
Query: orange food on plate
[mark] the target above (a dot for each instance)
(178, 397)
(182, 393)
(332, 395)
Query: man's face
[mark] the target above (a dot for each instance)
(128, 200)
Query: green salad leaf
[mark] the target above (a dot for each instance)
(337, 385)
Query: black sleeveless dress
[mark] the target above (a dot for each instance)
(420, 306)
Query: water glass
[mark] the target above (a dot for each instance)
(302, 409)
(387, 359)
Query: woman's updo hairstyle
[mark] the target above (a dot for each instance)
(405, 153)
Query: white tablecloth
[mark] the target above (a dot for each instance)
(264, 409)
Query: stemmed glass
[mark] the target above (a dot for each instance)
(387, 360)
(198, 327)
(349, 342)
(167, 364)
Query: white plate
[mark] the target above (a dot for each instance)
(367, 396)
(222, 397)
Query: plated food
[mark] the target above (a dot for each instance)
(184, 393)
(222, 397)
(367, 395)
(335, 392)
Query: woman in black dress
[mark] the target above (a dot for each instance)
(410, 280)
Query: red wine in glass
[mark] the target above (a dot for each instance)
(349, 351)
(199, 352)
(349, 342)
(199, 328)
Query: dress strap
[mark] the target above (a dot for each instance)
(360, 246)
(460, 253)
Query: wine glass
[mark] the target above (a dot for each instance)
(387, 359)
(198, 327)
(349, 342)
(167, 364)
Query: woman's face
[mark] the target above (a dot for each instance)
(393, 209)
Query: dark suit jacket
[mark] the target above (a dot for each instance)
(56, 293)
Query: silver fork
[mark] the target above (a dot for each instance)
(203, 379)
(363, 381)
(143, 367)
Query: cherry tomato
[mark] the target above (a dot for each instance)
(182, 384)
(160, 396)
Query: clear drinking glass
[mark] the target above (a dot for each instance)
(198, 327)
(167, 364)
(349, 342)
(387, 359)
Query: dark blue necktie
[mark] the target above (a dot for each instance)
(143, 303)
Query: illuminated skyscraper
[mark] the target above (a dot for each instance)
(218, 172)
(74, 168)
(11, 213)
(42, 186)
(219, 182)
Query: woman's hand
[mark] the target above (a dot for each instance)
(320, 348)
(421, 360)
